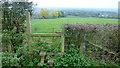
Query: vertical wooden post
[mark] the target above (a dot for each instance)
(51, 61)
(53, 38)
(42, 59)
(62, 40)
(1, 44)
(83, 48)
(28, 22)
(62, 46)
(42, 54)
(28, 28)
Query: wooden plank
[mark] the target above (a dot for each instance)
(45, 34)
(59, 34)
(51, 53)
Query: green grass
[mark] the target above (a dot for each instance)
(53, 25)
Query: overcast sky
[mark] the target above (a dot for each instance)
(78, 3)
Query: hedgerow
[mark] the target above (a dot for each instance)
(105, 35)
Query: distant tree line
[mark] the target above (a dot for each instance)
(46, 14)
(86, 13)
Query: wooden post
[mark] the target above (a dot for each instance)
(62, 46)
(42, 59)
(51, 61)
(28, 29)
(53, 38)
(83, 48)
(62, 40)
(42, 54)
(28, 22)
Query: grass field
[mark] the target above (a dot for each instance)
(53, 25)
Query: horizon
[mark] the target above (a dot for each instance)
(77, 3)
(89, 9)
(74, 7)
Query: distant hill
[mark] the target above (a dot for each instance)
(84, 12)
(37, 9)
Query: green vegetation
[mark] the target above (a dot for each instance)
(46, 14)
(53, 25)
(21, 49)
(76, 58)
(97, 40)
(71, 57)
(81, 12)
(13, 21)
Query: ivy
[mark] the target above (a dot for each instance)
(73, 57)
(13, 20)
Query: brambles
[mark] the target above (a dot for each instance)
(28, 55)
(105, 37)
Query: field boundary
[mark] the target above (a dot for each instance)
(61, 34)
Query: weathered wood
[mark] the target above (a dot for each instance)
(51, 61)
(50, 53)
(28, 29)
(42, 59)
(28, 22)
(59, 34)
(42, 53)
(62, 40)
(46, 34)
(83, 48)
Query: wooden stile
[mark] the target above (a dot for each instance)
(28, 20)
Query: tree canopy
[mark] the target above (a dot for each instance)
(13, 23)
(44, 13)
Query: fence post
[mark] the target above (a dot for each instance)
(42, 54)
(83, 48)
(62, 46)
(28, 28)
(62, 40)
(28, 22)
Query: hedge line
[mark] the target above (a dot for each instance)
(107, 35)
